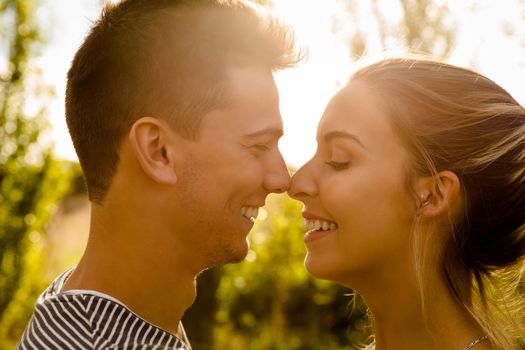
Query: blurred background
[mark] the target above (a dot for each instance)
(267, 301)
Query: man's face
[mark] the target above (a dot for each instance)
(231, 168)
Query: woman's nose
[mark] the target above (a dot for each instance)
(303, 183)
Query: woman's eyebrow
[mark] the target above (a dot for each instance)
(336, 134)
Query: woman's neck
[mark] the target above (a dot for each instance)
(403, 323)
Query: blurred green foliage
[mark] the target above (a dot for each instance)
(425, 26)
(269, 301)
(31, 181)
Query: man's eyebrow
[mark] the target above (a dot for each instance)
(275, 132)
(337, 134)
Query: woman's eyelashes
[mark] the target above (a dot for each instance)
(338, 165)
(338, 158)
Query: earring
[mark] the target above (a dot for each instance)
(424, 200)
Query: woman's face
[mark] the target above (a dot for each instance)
(354, 192)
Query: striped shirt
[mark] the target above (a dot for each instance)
(84, 319)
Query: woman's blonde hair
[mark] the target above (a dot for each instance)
(455, 119)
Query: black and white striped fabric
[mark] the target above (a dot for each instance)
(91, 320)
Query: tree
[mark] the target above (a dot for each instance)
(31, 180)
(423, 25)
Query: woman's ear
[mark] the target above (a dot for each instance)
(438, 195)
(152, 146)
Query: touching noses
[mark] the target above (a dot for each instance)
(277, 177)
(302, 183)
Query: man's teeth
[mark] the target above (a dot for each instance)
(315, 225)
(250, 212)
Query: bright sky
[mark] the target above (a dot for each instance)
(306, 90)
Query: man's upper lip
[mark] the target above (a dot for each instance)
(255, 205)
(312, 216)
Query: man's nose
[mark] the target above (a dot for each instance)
(278, 177)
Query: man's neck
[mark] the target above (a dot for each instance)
(159, 295)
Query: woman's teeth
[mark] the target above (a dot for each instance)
(316, 225)
(250, 212)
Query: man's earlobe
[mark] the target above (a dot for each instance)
(149, 139)
(439, 195)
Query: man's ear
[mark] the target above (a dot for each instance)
(152, 146)
(438, 195)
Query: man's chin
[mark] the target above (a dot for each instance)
(231, 255)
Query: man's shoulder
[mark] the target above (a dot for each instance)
(59, 322)
(82, 309)
(90, 320)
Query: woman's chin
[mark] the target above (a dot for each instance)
(317, 267)
(328, 269)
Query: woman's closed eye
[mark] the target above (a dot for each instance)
(338, 165)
